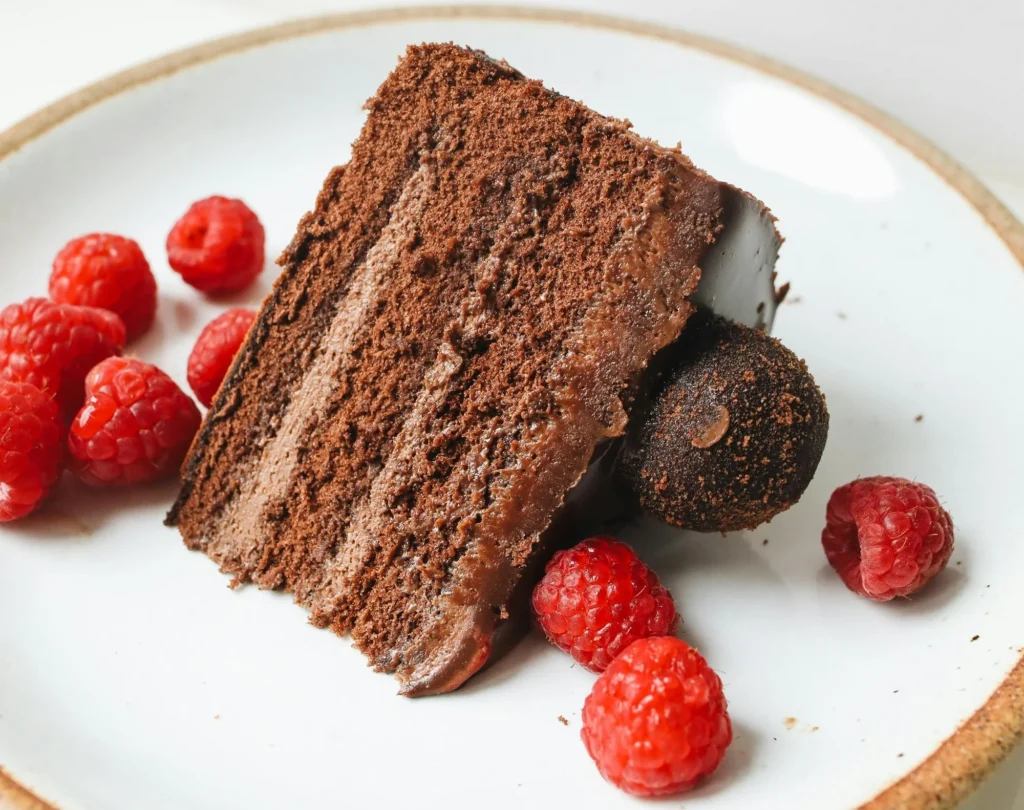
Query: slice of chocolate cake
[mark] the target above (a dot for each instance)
(451, 338)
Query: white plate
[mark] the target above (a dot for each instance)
(131, 677)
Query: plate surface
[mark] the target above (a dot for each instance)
(130, 676)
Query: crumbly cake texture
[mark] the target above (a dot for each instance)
(451, 338)
(730, 433)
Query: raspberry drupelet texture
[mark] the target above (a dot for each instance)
(31, 448)
(656, 721)
(53, 346)
(136, 425)
(217, 246)
(110, 272)
(215, 351)
(886, 537)
(597, 598)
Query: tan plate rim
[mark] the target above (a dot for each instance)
(959, 765)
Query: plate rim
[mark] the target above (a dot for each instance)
(959, 765)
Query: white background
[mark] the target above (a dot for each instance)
(953, 70)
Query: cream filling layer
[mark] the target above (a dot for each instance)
(244, 520)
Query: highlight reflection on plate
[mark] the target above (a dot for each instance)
(783, 130)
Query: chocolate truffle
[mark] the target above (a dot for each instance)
(730, 432)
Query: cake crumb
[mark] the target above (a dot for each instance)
(789, 723)
(975, 638)
(562, 720)
(899, 756)
(216, 717)
(919, 417)
(765, 543)
(813, 729)
(710, 434)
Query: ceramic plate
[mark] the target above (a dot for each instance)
(131, 676)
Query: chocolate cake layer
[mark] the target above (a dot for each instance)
(451, 338)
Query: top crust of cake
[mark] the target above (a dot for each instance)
(451, 338)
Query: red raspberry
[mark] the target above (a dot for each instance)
(597, 598)
(886, 537)
(656, 721)
(215, 350)
(53, 346)
(136, 425)
(110, 272)
(217, 247)
(31, 448)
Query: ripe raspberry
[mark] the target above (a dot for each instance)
(53, 346)
(31, 448)
(656, 721)
(110, 272)
(597, 598)
(136, 425)
(217, 247)
(886, 537)
(215, 350)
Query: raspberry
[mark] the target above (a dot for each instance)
(886, 537)
(215, 350)
(136, 424)
(597, 598)
(31, 448)
(217, 247)
(656, 721)
(53, 346)
(110, 272)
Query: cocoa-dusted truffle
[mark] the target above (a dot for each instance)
(731, 432)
